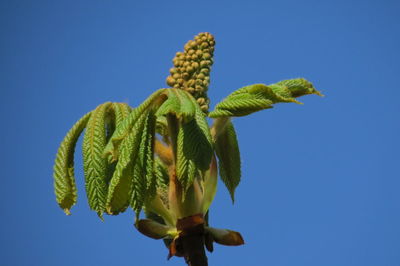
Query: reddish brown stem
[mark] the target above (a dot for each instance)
(193, 249)
(191, 240)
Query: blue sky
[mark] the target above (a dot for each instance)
(320, 184)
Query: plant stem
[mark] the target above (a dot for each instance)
(194, 253)
(192, 240)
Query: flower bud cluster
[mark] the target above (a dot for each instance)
(191, 71)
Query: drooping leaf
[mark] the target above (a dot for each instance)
(194, 146)
(162, 126)
(120, 187)
(121, 110)
(194, 150)
(161, 173)
(94, 164)
(179, 104)
(64, 180)
(227, 149)
(258, 97)
(144, 180)
(123, 129)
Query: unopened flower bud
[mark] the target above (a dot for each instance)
(201, 101)
(192, 68)
(170, 81)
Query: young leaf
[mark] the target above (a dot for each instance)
(64, 180)
(227, 149)
(298, 87)
(161, 173)
(94, 164)
(144, 180)
(257, 97)
(194, 146)
(194, 150)
(121, 111)
(120, 187)
(179, 104)
(113, 146)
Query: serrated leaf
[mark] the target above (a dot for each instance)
(179, 104)
(120, 187)
(94, 164)
(161, 173)
(121, 111)
(144, 181)
(258, 97)
(227, 149)
(64, 180)
(113, 146)
(194, 150)
(299, 87)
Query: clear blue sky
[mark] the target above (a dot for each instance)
(320, 183)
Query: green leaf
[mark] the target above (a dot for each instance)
(64, 180)
(144, 180)
(258, 97)
(227, 149)
(161, 173)
(194, 149)
(120, 187)
(94, 164)
(113, 146)
(121, 111)
(178, 103)
(299, 87)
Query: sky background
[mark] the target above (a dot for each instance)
(320, 182)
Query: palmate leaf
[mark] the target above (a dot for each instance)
(94, 164)
(258, 97)
(120, 187)
(227, 150)
(64, 180)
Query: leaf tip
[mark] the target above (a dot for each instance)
(318, 93)
(67, 211)
(100, 215)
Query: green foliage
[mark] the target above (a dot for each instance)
(179, 103)
(120, 188)
(113, 146)
(64, 180)
(227, 149)
(94, 164)
(194, 148)
(258, 97)
(144, 178)
(161, 156)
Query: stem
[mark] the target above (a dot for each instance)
(192, 240)
(194, 253)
